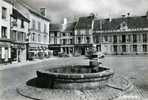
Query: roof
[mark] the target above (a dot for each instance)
(9, 1)
(69, 27)
(115, 24)
(84, 22)
(17, 14)
(30, 9)
(55, 27)
(38, 14)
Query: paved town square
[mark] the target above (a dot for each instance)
(73, 50)
(133, 67)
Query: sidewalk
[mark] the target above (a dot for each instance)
(20, 64)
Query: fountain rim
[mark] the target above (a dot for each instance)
(104, 73)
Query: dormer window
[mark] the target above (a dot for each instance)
(22, 24)
(123, 26)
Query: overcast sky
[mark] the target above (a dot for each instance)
(58, 9)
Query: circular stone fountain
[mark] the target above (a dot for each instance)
(75, 77)
(77, 82)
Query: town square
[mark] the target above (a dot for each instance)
(57, 50)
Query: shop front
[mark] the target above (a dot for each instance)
(37, 51)
(5, 52)
(82, 48)
(18, 52)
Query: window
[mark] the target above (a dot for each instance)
(105, 38)
(4, 32)
(14, 23)
(129, 38)
(39, 26)
(79, 40)
(55, 34)
(144, 37)
(64, 41)
(71, 34)
(71, 42)
(64, 34)
(45, 28)
(45, 38)
(13, 35)
(134, 48)
(20, 36)
(39, 38)
(123, 38)
(134, 38)
(22, 24)
(4, 13)
(33, 24)
(115, 48)
(144, 48)
(55, 40)
(33, 36)
(0, 53)
(88, 40)
(123, 48)
(115, 39)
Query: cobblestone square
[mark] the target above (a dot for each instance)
(133, 67)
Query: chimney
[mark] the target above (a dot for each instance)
(123, 16)
(43, 11)
(65, 21)
(128, 14)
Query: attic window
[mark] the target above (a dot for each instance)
(22, 24)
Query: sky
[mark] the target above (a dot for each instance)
(59, 9)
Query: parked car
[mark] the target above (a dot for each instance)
(61, 54)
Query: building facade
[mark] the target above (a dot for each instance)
(38, 35)
(5, 42)
(125, 35)
(19, 31)
(83, 34)
(67, 38)
(55, 38)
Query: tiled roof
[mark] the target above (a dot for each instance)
(137, 22)
(55, 27)
(69, 27)
(114, 24)
(84, 22)
(38, 14)
(17, 14)
(9, 1)
(30, 9)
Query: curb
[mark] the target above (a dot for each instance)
(9, 66)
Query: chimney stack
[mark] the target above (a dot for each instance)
(43, 11)
(123, 16)
(65, 21)
(128, 14)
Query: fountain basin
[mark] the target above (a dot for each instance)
(75, 77)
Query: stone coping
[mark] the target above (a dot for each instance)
(46, 73)
(107, 93)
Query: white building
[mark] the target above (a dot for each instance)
(38, 37)
(19, 31)
(5, 43)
